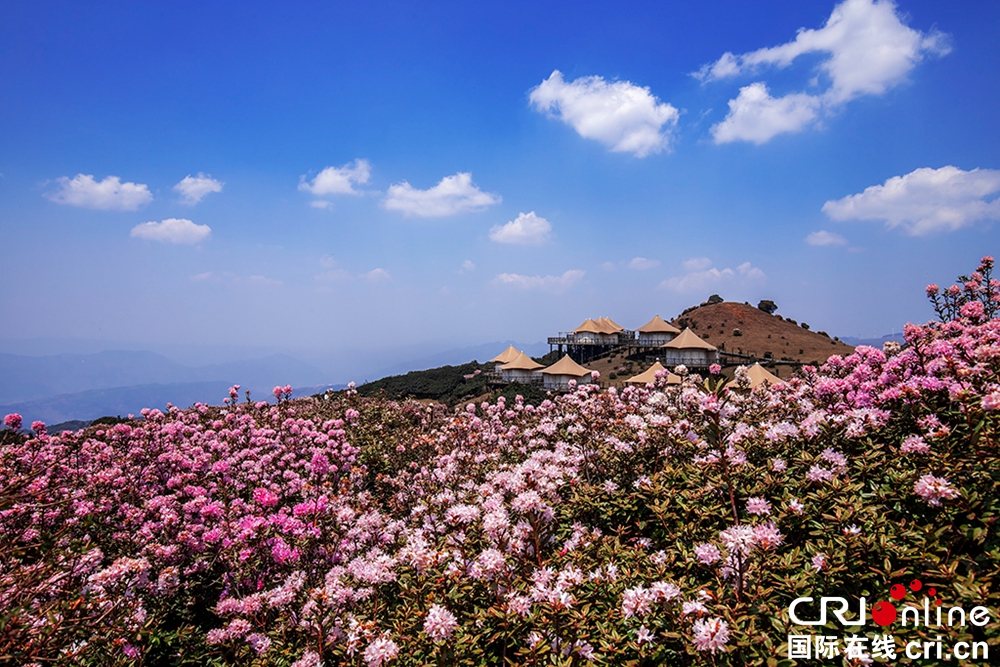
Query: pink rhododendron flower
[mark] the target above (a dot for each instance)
(758, 506)
(819, 561)
(12, 421)
(710, 634)
(933, 489)
(440, 623)
(914, 444)
(707, 553)
(380, 652)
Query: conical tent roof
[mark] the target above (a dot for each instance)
(521, 362)
(658, 325)
(610, 324)
(649, 375)
(588, 326)
(506, 356)
(687, 340)
(566, 366)
(758, 376)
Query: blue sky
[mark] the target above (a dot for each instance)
(322, 176)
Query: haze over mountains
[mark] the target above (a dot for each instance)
(86, 385)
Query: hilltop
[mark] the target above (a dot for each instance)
(744, 329)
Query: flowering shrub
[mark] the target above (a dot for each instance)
(652, 525)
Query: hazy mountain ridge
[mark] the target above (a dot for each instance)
(89, 405)
(29, 378)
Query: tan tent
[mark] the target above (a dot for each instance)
(522, 362)
(657, 332)
(558, 375)
(658, 325)
(588, 326)
(506, 356)
(758, 376)
(689, 350)
(649, 375)
(689, 341)
(521, 369)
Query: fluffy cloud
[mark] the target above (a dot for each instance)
(621, 115)
(825, 238)
(109, 194)
(701, 276)
(376, 276)
(338, 180)
(172, 230)
(925, 200)
(867, 50)
(194, 188)
(526, 229)
(756, 116)
(643, 264)
(545, 283)
(453, 195)
(468, 265)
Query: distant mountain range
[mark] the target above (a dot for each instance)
(27, 378)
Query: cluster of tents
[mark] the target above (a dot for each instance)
(679, 347)
(514, 365)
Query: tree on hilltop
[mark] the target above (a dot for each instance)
(767, 306)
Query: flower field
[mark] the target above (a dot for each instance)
(646, 526)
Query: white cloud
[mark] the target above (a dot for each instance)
(756, 116)
(109, 194)
(320, 203)
(338, 180)
(201, 277)
(607, 266)
(700, 278)
(867, 50)
(172, 230)
(468, 265)
(621, 115)
(376, 276)
(643, 264)
(194, 188)
(453, 195)
(825, 238)
(526, 229)
(925, 200)
(545, 283)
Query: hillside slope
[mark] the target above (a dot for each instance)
(720, 324)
